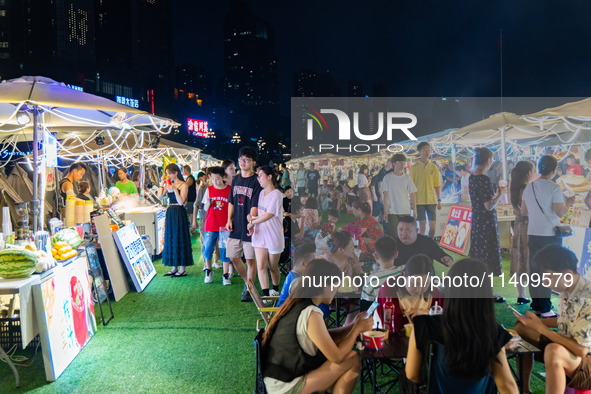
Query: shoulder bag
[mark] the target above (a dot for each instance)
(559, 231)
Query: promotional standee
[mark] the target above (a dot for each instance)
(138, 262)
(456, 234)
(66, 318)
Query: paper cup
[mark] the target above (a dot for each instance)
(408, 329)
(374, 339)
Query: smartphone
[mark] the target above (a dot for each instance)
(372, 309)
(514, 310)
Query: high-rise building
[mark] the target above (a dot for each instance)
(251, 77)
(41, 37)
(308, 83)
(119, 49)
(192, 83)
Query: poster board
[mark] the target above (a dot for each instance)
(98, 281)
(137, 260)
(456, 234)
(65, 313)
(160, 223)
(112, 260)
(581, 216)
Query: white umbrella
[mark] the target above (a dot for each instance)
(27, 103)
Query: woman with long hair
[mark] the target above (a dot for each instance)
(484, 236)
(417, 295)
(267, 228)
(468, 341)
(314, 359)
(342, 253)
(370, 228)
(520, 176)
(177, 239)
(544, 204)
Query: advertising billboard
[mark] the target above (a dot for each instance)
(197, 128)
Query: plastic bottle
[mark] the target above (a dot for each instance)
(436, 309)
(389, 315)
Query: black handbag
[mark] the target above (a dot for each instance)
(563, 230)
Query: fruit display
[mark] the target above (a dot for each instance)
(67, 235)
(17, 263)
(62, 251)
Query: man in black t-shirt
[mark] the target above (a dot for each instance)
(411, 243)
(244, 199)
(313, 177)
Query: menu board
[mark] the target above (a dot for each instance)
(66, 319)
(581, 216)
(160, 223)
(457, 229)
(137, 260)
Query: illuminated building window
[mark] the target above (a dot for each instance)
(3, 44)
(2, 12)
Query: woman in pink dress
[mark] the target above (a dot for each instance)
(267, 230)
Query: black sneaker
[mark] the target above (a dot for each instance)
(523, 301)
(246, 296)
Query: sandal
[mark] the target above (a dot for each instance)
(170, 273)
(178, 274)
(551, 315)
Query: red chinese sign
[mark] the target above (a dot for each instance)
(457, 229)
(197, 128)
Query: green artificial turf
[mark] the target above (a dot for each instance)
(178, 335)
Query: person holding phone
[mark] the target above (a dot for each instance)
(566, 351)
(315, 359)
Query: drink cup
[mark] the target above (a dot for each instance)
(503, 185)
(408, 329)
(569, 193)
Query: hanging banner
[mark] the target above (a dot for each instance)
(166, 160)
(456, 233)
(50, 179)
(50, 150)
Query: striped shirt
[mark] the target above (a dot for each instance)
(370, 293)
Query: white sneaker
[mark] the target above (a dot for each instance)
(227, 282)
(208, 276)
(273, 293)
(217, 265)
(267, 303)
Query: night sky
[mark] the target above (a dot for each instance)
(416, 48)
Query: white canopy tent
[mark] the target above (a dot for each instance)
(33, 105)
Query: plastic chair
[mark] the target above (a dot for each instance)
(259, 382)
(266, 311)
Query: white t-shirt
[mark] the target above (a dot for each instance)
(548, 193)
(399, 188)
(279, 387)
(362, 181)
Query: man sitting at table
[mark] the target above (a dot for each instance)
(411, 243)
(566, 352)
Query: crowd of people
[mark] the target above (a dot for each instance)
(252, 220)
